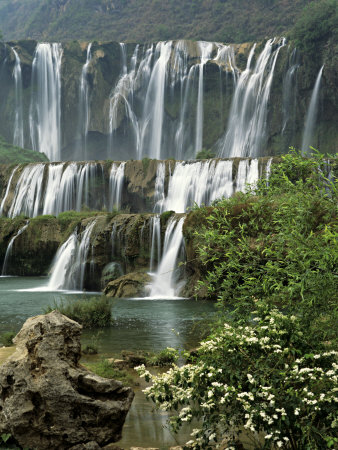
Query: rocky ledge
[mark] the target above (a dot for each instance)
(48, 400)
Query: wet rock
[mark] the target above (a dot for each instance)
(47, 400)
(130, 285)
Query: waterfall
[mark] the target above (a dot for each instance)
(68, 269)
(84, 111)
(311, 115)
(45, 108)
(28, 192)
(247, 173)
(54, 188)
(159, 197)
(163, 284)
(152, 122)
(10, 246)
(199, 182)
(290, 90)
(246, 131)
(116, 179)
(155, 238)
(119, 99)
(18, 137)
(7, 190)
(206, 50)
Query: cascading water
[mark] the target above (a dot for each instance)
(28, 192)
(311, 116)
(119, 100)
(152, 122)
(54, 188)
(84, 111)
(45, 108)
(68, 269)
(202, 182)
(206, 49)
(115, 185)
(7, 190)
(10, 247)
(246, 131)
(163, 285)
(155, 239)
(18, 136)
(290, 90)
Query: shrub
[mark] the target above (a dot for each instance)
(91, 313)
(165, 357)
(316, 25)
(266, 376)
(7, 338)
(205, 154)
(278, 245)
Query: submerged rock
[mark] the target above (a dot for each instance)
(131, 285)
(47, 400)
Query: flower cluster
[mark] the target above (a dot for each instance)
(263, 377)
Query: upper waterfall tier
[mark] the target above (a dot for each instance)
(90, 101)
(135, 186)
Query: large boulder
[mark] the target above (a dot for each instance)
(47, 400)
(131, 285)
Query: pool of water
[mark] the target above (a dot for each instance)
(139, 324)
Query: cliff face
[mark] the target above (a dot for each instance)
(124, 239)
(115, 97)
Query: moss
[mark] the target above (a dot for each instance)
(165, 216)
(105, 368)
(9, 154)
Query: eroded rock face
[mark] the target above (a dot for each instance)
(47, 400)
(131, 285)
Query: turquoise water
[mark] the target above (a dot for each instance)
(139, 324)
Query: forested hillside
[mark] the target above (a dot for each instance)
(148, 20)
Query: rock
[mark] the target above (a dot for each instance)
(144, 448)
(130, 285)
(111, 272)
(47, 400)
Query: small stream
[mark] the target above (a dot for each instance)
(139, 324)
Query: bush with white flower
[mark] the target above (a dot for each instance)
(263, 379)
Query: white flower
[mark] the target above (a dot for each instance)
(297, 411)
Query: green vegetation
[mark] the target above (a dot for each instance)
(220, 20)
(205, 154)
(6, 339)
(270, 364)
(10, 154)
(105, 368)
(165, 357)
(315, 26)
(90, 313)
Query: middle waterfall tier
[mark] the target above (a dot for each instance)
(135, 186)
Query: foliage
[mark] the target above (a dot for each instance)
(165, 357)
(10, 154)
(7, 338)
(106, 369)
(205, 154)
(90, 313)
(145, 163)
(265, 376)
(165, 216)
(278, 245)
(315, 26)
(270, 365)
(216, 20)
